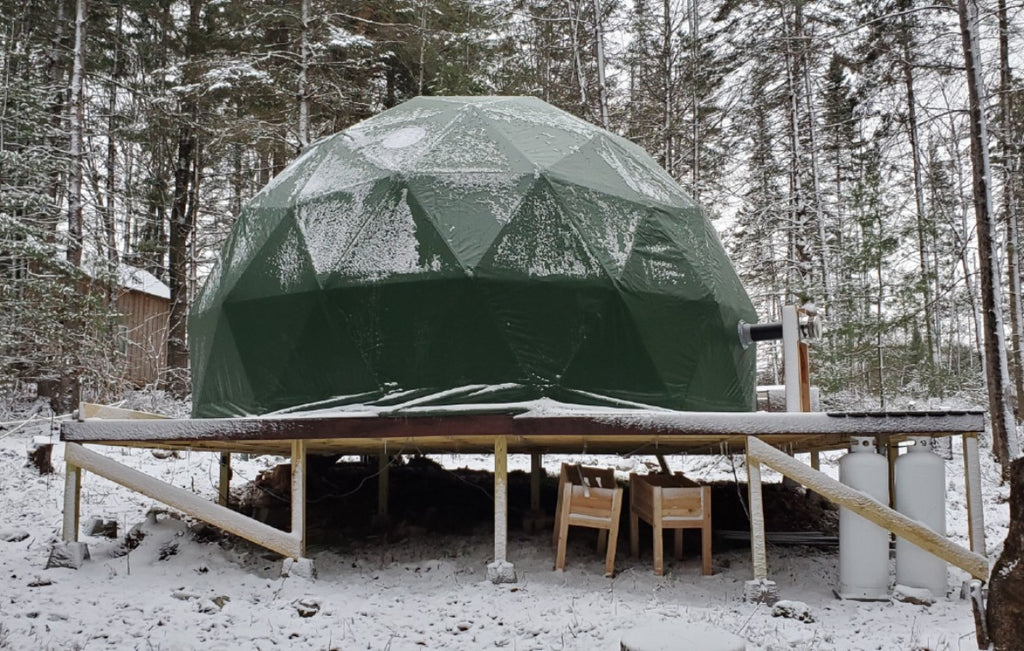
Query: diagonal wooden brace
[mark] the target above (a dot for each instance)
(869, 508)
(283, 542)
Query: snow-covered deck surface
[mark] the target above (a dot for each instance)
(537, 426)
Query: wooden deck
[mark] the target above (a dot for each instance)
(614, 431)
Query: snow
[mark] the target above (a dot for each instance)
(141, 280)
(174, 592)
(404, 137)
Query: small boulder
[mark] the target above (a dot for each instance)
(13, 535)
(916, 596)
(306, 607)
(797, 610)
(39, 455)
(96, 526)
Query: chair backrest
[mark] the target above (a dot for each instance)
(575, 473)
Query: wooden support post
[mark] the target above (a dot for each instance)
(791, 356)
(500, 498)
(536, 471)
(299, 494)
(805, 376)
(815, 460)
(759, 559)
(972, 481)
(224, 487)
(892, 452)
(383, 483)
(500, 570)
(72, 502)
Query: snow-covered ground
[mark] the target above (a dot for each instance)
(175, 592)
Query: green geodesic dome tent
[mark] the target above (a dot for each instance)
(476, 249)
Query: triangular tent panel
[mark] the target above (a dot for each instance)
(491, 250)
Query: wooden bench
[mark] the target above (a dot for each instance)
(588, 497)
(669, 502)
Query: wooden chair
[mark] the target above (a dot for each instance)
(669, 502)
(588, 497)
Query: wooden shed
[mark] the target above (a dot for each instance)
(144, 303)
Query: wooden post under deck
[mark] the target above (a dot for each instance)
(500, 499)
(759, 559)
(535, 478)
(972, 481)
(72, 502)
(383, 481)
(299, 493)
(224, 487)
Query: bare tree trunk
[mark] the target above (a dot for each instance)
(55, 71)
(76, 113)
(574, 22)
(799, 249)
(1010, 179)
(1005, 609)
(997, 374)
(599, 45)
(695, 161)
(915, 153)
(666, 71)
(303, 70)
(423, 46)
(181, 223)
(819, 210)
(110, 212)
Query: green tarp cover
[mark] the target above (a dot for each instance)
(493, 243)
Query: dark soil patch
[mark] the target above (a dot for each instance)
(426, 498)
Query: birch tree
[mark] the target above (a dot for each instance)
(997, 372)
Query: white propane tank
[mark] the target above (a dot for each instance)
(921, 496)
(863, 545)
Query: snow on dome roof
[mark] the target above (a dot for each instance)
(456, 241)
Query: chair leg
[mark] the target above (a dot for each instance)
(659, 550)
(602, 540)
(634, 535)
(558, 517)
(609, 559)
(679, 544)
(705, 550)
(562, 533)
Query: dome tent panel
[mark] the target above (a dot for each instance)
(540, 241)
(607, 224)
(659, 265)
(565, 273)
(469, 210)
(281, 266)
(470, 145)
(220, 386)
(437, 336)
(293, 353)
(609, 357)
(338, 169)
(603, 165)
(284, 189)
(248, 235)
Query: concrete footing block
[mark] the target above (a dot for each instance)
(68, 554)
(761, 591)
(501, 572)
(303, 568)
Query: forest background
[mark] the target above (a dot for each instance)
(831, 141)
